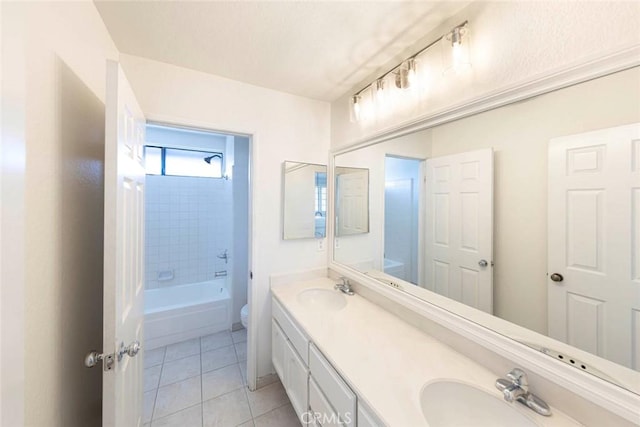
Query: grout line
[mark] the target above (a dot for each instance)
(173, 413)
(155, 397)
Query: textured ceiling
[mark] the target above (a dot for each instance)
(315, 49)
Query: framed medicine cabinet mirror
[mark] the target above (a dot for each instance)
(304, 206)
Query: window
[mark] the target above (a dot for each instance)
(181, 162)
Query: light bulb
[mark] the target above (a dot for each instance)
(355, 108)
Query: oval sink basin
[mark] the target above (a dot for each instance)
(451, 403)
(325, 299)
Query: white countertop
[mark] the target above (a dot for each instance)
(385, 360)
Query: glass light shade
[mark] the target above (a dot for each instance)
(355, 108)
(455, 51)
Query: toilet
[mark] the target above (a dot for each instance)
(244, 315)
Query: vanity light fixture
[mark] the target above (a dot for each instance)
(406, 76)
(455, 50)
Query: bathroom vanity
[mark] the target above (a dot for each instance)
(344, 360)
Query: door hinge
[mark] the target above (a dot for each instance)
(93, 358)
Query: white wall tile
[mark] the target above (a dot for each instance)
(189, 221)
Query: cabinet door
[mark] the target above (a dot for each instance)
(296, 378)
(278, 343)
(366, 418)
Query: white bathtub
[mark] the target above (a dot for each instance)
(179, 313)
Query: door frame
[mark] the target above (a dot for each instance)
(252, 291)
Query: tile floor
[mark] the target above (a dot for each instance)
(202, 383)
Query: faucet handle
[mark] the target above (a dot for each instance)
(518, 377)
(345, 280)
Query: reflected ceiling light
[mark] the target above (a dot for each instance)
(406, 74)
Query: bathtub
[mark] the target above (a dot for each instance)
(179, 313)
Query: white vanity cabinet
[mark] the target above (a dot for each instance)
(331, 386)
(311, 382)
(290, 353)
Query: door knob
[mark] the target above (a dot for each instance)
(556, 277)
(131, 350)
(483, 263)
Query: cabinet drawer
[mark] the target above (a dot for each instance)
(291, 330)
(321, 410)
(338, 394)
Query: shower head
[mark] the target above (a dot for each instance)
(208, 159)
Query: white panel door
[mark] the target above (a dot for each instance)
(353, 202)
(459, 231)
(123, 251)
(594, 242)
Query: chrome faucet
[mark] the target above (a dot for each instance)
(224, 255)
(516, 388)
(344, 287)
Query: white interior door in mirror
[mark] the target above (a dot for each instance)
(459, 231)
(594, 242)
(352, 196)
(123, 250)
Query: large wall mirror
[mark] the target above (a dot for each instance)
(304, 210)
(529, 212)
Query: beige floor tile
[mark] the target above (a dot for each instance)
(221, 381)
(241, 351)
(247, 424)
(219, 358)
(239, 336)
(154, 357)
(228, 410)
(149, 400)
(284, 416)
(177, 396)
(180, 369)
(190, 417)
(267, 399)
(152, 377)
(182, 349)
(216, 341)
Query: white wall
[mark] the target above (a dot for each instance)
(53, 69)
(189, 222)
(511, 42)
(284, 127)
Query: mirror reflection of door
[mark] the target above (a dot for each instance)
(459, 230)
(593, 243)
(352, 201)
(401, 217)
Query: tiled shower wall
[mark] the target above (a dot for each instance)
(188, 223)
